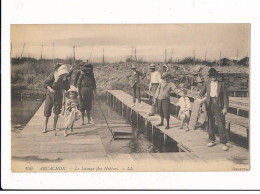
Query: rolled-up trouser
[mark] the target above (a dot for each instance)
(214, 114)
(164, 108)
(55, 103)
(136, 94)
(152, 93)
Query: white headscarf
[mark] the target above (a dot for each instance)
(63, 69)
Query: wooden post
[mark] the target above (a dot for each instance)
(172, 56)
(41, 51)
(22, 50)
(164, 139)
(135, 55)
(165, 55)
(11, 51)
(103, 57)
(53, 51)
(74, 53)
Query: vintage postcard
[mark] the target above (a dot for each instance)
(130, 98)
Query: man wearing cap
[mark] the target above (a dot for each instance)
(87, 90)
(135, 77)
(217, 105)
(55, 83)
(154, 82)
(77, 74)
(163, 95)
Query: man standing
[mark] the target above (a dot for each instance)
(154, 82)
(87, 90)
(163, 95)
(135, 77)
(217, 105)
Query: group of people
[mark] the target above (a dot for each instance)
(160, 88)
(69, 96)
(77, 91)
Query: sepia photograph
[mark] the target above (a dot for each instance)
(130, 97)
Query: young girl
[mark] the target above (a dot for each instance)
(71, 114)
(184, 113)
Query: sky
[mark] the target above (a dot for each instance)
(118, 41)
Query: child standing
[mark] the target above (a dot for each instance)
(184, 113)
(163, 95)
(71, 114)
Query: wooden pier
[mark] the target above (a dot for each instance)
(32, 148)
(194, 142)
(237, 117)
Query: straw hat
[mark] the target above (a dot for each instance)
(152, 66)
(72, 89)
(133, 66)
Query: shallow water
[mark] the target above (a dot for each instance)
(138, 144)
(22, 112)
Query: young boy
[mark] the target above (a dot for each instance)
(87, 91)
(184, 113)
(163, 95)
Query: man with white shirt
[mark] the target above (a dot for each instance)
(154, 82)
(217, 105)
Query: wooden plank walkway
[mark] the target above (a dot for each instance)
(238, 125)
(193, 141)
(83, 145)
(31, 144)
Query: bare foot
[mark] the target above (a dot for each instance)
(44, 131)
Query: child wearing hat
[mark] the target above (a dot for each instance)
(184, 113)
(163, 96)
(71, 113)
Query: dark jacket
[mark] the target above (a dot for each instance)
(221, 93)
(87, 80)
(135, 78)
